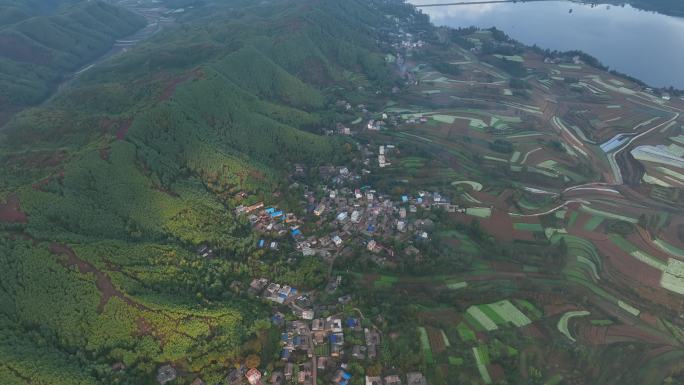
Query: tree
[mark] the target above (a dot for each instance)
(252, 361)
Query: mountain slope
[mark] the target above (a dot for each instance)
(143, 159)
(37, 50)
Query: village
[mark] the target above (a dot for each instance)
(323, 337)
(318, 338)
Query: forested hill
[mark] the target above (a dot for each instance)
(666, 7)
(43, 40)
(107, 189)
(13, 11)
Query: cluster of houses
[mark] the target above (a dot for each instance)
(300, 304)
(364, 216)
(406, 40)
(270, 221)
(353, 215)
(314, 346)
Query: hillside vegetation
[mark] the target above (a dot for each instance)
(40, 42)
(142, 160)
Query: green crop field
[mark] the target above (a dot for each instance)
(425, 344)
(563, 322)
(528, 227)
(593, 223)
(480, 212)
(465, 333)
(482, 360)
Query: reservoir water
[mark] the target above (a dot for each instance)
(646, 45)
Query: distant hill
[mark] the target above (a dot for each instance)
(666, 7)
(41, 41)
(13, 11)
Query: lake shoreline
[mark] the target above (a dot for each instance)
(621, 54)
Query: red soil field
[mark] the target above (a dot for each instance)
(629, 333)
(500, 225)
(505, 266)
(10, 211)
(670, 234)
(551, 310)
(641, 240)
(436, 340)
(649, 319)
(592, 335)
(628, 265)
(440, 316)
(532, 331)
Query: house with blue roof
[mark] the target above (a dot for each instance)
(341, 377)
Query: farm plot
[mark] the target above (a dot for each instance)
(480, 212)
(438, 341)
(385, 281)
(673, 276)
(425, 345)
(482, 360)
(629, 308)
(533, 227)
(608, 215)
(456, 285)
(465, 333)
(563, 322)
(668, 248)
(476, 186)
(593, 223)
(490, 317)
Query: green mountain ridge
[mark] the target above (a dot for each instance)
(37, 51)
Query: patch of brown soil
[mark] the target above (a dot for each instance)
(532, 331)
(436, 340)
(103, 282)
(170, 87)
(551, 310)
(10, 211)
(36, 159)
(123, 129)
(629, 333)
